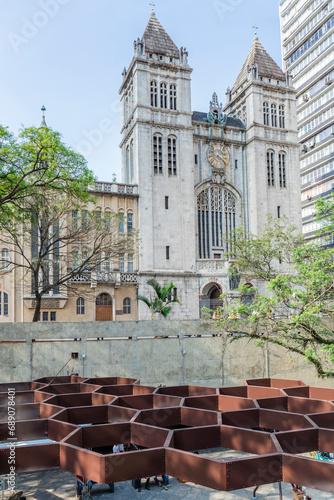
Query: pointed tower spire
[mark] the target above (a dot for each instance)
(265, 66)
(43, 122)
(157, 40)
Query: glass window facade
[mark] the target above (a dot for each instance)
(307, 33)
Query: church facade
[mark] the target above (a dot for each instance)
(202, 174)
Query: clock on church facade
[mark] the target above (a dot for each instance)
(218, 155)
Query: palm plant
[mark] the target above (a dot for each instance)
(162, 302)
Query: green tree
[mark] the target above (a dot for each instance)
(295, 308)
(325, 215)
(162, 302)
(48, 219)
(34, 161)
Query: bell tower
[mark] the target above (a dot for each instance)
(157, 154)
(263, 98)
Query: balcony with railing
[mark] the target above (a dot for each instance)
(114, 188)
(106, 277)
(84, 277)
(129, 278)
(114, 277)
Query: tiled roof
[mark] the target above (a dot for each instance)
(265, 64)
(157, 40)
(198, 116)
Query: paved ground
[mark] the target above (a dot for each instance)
(57, 484)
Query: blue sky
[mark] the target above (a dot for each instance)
(69, 55)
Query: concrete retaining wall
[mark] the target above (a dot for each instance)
(190, 353)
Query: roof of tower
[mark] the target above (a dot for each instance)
(157, 39)
(265, 64)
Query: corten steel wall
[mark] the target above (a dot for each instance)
(172, 439)
(189, 353)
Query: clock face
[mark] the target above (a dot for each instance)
(218, 155)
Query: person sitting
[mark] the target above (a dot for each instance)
(80, 483)
(164, 482)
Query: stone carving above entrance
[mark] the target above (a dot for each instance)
(218, 177)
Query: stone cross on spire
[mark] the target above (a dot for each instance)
(255, 28)
(152, 5)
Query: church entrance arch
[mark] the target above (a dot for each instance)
(210, 298)
(103, 307)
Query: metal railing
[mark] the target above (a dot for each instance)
(84, 277)
(129, 278)
(105, 277)
(111, 187)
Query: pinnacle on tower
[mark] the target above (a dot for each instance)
(43, 122)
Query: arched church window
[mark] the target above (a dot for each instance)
(281, 116)
(271, 168)
(157, 154)
(281, 169)
(266, 114)
(172, 97)
(216, 217)
(273, 115)
(163, 95)
(154, 94)
(172, 167)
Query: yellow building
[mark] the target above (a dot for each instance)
(106, 295)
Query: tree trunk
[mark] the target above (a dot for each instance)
(37, 308)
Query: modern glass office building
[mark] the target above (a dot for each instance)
(307, 31)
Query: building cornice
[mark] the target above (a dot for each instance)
(173, 274)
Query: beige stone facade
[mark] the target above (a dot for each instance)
(119, 283)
